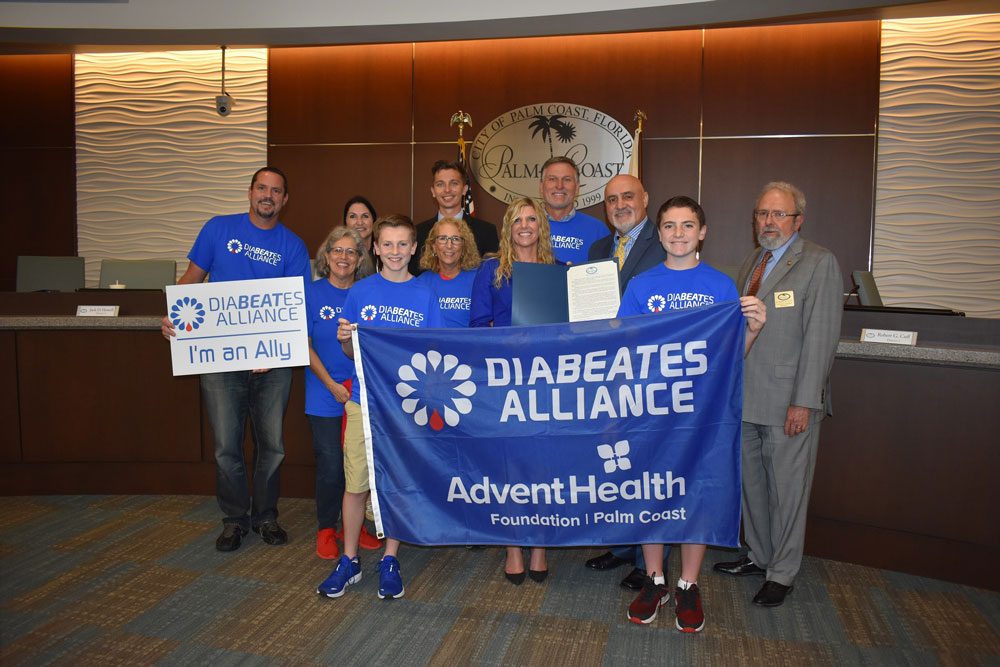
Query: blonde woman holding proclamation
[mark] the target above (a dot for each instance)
(450, 260)
(524, 237)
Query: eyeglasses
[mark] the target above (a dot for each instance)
(346, 252)
(761, 215)
(444, 240)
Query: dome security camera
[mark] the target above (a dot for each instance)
(224, 104)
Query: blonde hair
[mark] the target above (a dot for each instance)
(339, 232)
(543, 248)
(470, 253)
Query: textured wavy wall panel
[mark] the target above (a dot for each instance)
(154, 159)
(937, 210)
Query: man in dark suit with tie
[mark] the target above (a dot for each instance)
(449, 183)
(634, 243)
(785, 387)
(636, 246)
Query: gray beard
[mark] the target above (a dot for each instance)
(770, 244)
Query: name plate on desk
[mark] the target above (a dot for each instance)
(97, 311)
(238, 325)
(889, 336)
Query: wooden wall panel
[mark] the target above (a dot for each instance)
(43, 214)
(79, 399)
(340, 94)
(322, 178)
(37, 124)
(657, 72)
(10, 423)
(38, 101)
(919, 476)
(797, 79)
(835, 173)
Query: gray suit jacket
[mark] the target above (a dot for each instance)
(646, 253)
(789, 364)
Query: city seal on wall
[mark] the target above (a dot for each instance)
(508, 153)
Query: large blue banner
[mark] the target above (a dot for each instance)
(609, 432)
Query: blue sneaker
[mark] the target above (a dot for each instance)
(347, 572)
(390, 584)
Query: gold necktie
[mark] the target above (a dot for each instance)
(758, 273)
(620, 251)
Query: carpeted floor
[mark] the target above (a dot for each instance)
(136, 580)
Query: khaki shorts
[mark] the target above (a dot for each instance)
(355, 461)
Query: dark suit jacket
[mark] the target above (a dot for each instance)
(646, 253)
(789, 363)
(484, 232)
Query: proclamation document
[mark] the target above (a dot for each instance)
(592, 291)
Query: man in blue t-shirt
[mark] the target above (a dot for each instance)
(247, 246)
(573, 232)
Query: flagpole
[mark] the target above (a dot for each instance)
(462, 119)
(635, 162)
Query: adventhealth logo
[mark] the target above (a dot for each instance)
(368, 313)
(234, 246)
(187, 314)
(438, 378)
(656, 303)
(615, 457)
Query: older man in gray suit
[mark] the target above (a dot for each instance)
(785, 387)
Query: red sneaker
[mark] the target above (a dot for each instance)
(368, 541)
(690, 617)
(326, 544)
(644, 607)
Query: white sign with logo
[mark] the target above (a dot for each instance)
(508, 153)
(238, 325)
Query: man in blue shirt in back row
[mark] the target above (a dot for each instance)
(573, 232)
(247, 246)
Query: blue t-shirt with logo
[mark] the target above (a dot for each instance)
(324, 304)
(660, 289)
(572, 238)
(377, 302)
(454, 296)
(230, 247)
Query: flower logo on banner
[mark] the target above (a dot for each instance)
(326, 313)
(368, 313)
(187, 314)
(615, 457)
(435, 374)
(656, 303)
(234, 246)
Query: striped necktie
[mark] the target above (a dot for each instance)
(758, 273)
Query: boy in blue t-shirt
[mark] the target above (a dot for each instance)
(681, 281)
(391, 298)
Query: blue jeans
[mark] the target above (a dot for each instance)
(326, 432)
(229, 399)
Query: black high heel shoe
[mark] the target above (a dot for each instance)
(516, 578)
(538, 575)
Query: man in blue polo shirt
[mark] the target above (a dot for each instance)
(573, 232)
(247, 246)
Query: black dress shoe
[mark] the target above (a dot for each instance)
(271, 532)
(231, 537)
(771, 594)
(606, 561)
(634, 580)
(538, 575)
(740, 568)
(517, 578)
